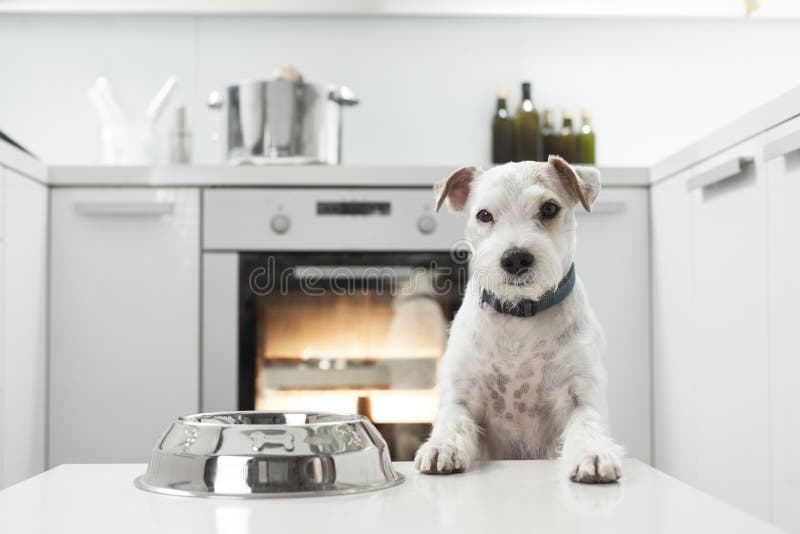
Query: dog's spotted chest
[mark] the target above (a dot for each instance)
(518, 400)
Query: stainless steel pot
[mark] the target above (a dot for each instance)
(283, 121)
(269, 454)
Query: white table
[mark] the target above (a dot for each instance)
(495, 498)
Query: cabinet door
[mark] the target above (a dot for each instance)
(782, 154)
(729, 246)
(2, 327)
(612, 260)
(25, 330)
(2, 352)
(674, 407)
(124, 321)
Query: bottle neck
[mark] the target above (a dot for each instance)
(501, 104)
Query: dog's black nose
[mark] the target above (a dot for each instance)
(516, 260)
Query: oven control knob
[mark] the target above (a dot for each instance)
(426, 224)
(280, 224)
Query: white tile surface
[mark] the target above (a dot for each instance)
(427, 84)
(524, 496)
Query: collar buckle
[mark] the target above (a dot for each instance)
(529, 308)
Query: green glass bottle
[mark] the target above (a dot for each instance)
(526, 128)
(586, 139)
(566, 140)
(502, 132)
(548, 133)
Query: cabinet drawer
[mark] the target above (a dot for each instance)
(24, 336)
(675, 427)
(729, 251)
(124, 320)
(783, 176)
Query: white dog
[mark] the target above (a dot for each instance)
(522, 375)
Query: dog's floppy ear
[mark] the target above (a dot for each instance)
(455, 188)
(582, 182)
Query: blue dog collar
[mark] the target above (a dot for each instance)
(529, 308)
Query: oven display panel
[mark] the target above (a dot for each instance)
(354, 208)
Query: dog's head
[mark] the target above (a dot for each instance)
(520, 221)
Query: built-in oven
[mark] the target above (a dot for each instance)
(329, 299)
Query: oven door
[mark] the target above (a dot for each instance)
(341, 332)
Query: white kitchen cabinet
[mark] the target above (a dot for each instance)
(782, 155)
(2, 324)
(124, 351)
(674, 408)
(731, 371)
(612, 259)
(24, 328)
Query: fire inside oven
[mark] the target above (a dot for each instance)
(356, 332)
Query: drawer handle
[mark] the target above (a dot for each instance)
(726, 171)
(781, 147)
(124, 209)
(610, 207)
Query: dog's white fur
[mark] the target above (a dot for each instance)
(511, 387)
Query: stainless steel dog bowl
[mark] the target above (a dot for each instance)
(269, 454)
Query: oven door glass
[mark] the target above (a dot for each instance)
(355, 332)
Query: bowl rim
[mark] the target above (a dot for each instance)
(345, 419)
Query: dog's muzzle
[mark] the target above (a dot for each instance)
(516, 261)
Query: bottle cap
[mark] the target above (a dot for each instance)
(586, 115)
(501, 93)
(526, 89)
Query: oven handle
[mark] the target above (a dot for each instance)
(353, 272)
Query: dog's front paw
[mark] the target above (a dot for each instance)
(596, 467)
(442, 458)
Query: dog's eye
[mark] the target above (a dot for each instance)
(484, 216)
(549, 210)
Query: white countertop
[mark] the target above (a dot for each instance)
(780, 109)
(287, 175)
(499, 497)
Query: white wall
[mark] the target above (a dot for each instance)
(427, 84)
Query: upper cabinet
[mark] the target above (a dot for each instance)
(23, 327)
(125, 314)
(782, 155)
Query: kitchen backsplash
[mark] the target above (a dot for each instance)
(425, 84)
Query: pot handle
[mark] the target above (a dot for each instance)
(344, 96)
(215, 100)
